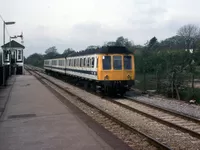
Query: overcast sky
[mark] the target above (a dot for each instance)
(79, 23)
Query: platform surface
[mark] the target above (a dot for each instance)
(34, 119)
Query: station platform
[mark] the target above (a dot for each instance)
(35, 119)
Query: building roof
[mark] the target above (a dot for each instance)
(13, 44)
(103, 50)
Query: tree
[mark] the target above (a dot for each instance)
(51, 50)
(35, 60)
(191, 34)
(92, 47)
(152, 43)
(67, 52)
(121, 41)
(111, 43)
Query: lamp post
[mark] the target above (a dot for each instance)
(4, 28)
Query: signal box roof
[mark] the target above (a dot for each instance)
(13, 44)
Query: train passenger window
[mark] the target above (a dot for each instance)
(106, 62)
(88, 62)
(127, 63)
(74, 62)
(84, 62)
(92, 62)
(97, 62)
(60, 62)
(79, 61)
(117, 62)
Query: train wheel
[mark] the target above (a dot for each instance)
(86, 86)
(122, 92)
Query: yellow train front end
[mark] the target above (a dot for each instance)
(116, 72)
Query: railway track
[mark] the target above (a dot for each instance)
(181, 122)
(114, 122)
(173, 119)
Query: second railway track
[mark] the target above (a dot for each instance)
(181, 122)
(173, 122)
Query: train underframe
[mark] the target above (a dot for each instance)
(106, 87)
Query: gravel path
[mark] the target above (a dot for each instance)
(175, 105)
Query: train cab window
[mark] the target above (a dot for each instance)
(127, 63)
(106, 62)
(117, 62)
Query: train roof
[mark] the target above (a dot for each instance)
(103, 50)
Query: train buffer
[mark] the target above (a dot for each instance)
(34, 118)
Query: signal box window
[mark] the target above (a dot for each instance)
(19, 54)
(117, 62)
(106, 62)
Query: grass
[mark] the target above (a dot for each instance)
(185, 94)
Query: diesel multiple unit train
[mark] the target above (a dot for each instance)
(109, 68)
